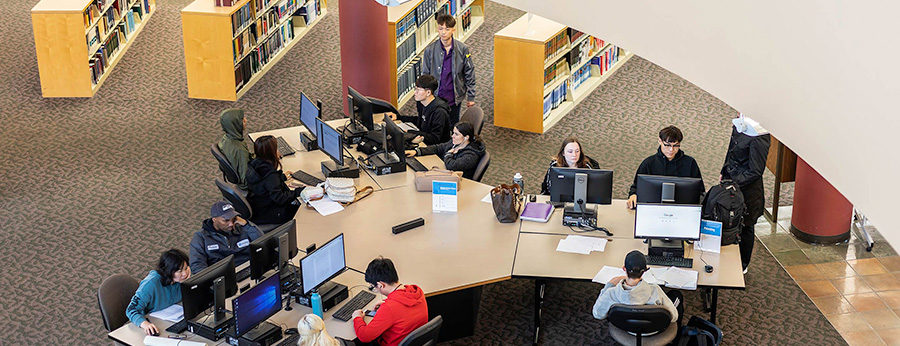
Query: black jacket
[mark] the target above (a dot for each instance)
(209, 245)
(681, 166)
(465, 160)
(269, 196)
(545, 185)
(746, 158)
(433, 122)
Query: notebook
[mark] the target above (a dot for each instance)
(539, 212)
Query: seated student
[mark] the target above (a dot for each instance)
(668, 160)
(271, 199)
(232, 143)
(433, 120)
(632, 290)
(224, 233)
(569, 155)
(462, 153)
(396, 316)
(160, 289)
(312, 332)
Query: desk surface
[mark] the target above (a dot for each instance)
(615, 217)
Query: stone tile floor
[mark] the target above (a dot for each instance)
(857, 290)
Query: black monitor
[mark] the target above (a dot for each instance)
(256, 305)
(323, 264)
(266, 251)
(330, 141)
(209, 288)
(308, 114)
(667, 189)
(581, 186)
(361, 112)
(392, 141)
(667, 221)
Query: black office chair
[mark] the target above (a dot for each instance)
(426, 335)
(482, 166)
(113, 297)
(236, 196)
(475, 116)
(228, 172)
(638, 325)
(382, 106)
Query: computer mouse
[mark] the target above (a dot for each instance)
(155, 333)
(290, 331)
(708, 268)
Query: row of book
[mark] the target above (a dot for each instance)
(558, 70)
(599, 66)
(258, 57)
(111, 18)
(606, 60)
(311, 11)
(286, 8)
(466, 19)
(243, 17)
(425, 11)
(585, 49)
(247, 39)
(406, 80)
(556, 98)
(100, 61)
(580, 76)
(406, 50)
(92, 12)
(556, 44)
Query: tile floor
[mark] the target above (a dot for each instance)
(857, 290)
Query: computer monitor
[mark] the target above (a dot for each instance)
(360, 110)
(392, 141)
(667, 221)
(330, 142)
(308, 114)
(199, 292)
(666, 189)
(323, 264)
(266, 251)
(580, 186)
(256, 305)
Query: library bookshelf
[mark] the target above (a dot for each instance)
(414, 27)
(79, 42)
(228, 49)
(542, 69)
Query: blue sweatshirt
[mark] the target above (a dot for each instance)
(152, 296)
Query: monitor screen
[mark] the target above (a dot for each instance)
(361, 108)
(264, 253)
(667, 221)
(256, 305)
(686, 190)
(323, 264)
(308, 114)
(197, 291)
(393, 141)
(599, 185)
(330, 141)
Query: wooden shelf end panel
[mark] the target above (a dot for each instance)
(518, 84)
(61, 54)
(208, 56)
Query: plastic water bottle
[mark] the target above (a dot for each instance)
(316, 301)
(518, 179)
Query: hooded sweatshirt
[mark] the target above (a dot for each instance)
(232, 143)
(269, 197)
(681, 165)
(642, 294)
(402, 312)
(433, 122)
(465, 160)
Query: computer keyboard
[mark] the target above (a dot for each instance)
(290, 340)
(415, 164)
(306, 178)
(178, 328)
(284, 148)
(359, 301)
(670, 261)
(242, 274)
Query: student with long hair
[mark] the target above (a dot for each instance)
(569, 155)
(462, 153)
(271, 199)
(312, 332)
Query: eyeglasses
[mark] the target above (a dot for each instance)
(671, 145)
(372, 288)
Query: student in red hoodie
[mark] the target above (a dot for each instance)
(396, 316)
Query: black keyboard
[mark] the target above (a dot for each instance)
(359, 301)
(242, 274)
(290, 340)
(306, 178)
(414, 163)
(284, 148)
(667, 261)
(178, 328)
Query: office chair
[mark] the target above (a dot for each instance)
(228, 172)
(382, 106)
(426, 335)
(482, 166)
(236, 196)
(641, 324)
(113, 296)
(475, 116)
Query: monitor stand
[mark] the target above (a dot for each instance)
(387, 163)
(331, 169)
(213, 328)
(309, 141)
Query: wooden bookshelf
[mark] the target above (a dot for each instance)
(216, 67)
(425, 33)
(69, 35)
(524, 54)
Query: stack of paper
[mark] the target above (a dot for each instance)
(581, 244)
(173, 313)
(326, 206)
(670, 277)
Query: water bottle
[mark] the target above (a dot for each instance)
(517, 179)
(316, 301)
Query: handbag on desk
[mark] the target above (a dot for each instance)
(424, 179)
(505, 200)
(344, 191)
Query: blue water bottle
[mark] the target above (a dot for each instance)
(316, 301)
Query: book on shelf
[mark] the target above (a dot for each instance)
(556, 98)
(445, 9)
(453, 7)
(425, 11)
(406, 79)
(242, 17)
(466, 19)
(406, 50)
(256, 58)
(93, 37)
(224, 3)
(556, 44)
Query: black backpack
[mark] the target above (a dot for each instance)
(725, 203)
(699, 332)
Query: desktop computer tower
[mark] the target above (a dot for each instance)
(265, 334)
(666, 248)
(332, 294)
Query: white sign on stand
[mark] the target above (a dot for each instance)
(710, 237)
(443, 197)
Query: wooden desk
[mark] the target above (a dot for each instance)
(407, 178)
(615, 217)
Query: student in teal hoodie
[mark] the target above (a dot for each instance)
(160, 289)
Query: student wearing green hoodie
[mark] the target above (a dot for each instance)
(232, 143)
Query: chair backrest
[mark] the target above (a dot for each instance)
(426, 335)
(113, 297)
(641, 319)
(482, 166)
(475, 116)
(236, 196)
(228, 171)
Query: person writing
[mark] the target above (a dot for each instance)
(433, 120)
(449, 60)
(569, 155)
(402, 311)
(159, 290)
(312, 332)
(462, 153)
(273, 202)
(631, 289)
(669, 160)
(232, 144)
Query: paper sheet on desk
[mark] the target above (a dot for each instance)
(487, 199)
(573, 246)
(681, 278)
(326, 206)
(607, 273)
(173, 313)
(597, 244)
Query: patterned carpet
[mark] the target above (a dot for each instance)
(93, 187)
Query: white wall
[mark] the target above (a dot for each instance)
(822, 76)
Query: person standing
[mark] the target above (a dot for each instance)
(450, 61)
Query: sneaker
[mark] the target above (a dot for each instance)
(745, 270)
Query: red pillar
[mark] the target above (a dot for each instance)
(365, 48)
(820, 214)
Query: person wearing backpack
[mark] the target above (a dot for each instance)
(745, 162)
